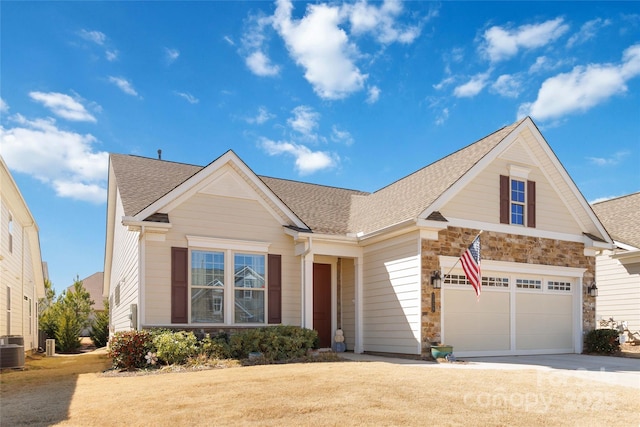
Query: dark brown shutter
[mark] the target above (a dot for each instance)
(504, 199)
(275, 289)
(179, 284)
(531, 204)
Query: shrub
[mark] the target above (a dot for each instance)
(68, 330)
(274, 342)
(217, 346)
(128, 349)
(602, 341)
(100, 327)
(175, 347)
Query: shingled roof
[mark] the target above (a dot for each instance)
(330, 210)
(406, 198)
(621, 218)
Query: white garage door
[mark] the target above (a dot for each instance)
(517, 313)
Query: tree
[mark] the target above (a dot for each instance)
(100, 328)
(46, 315)
(63, 318)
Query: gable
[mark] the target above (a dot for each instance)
(524, 156)
(228, 169)
(479, 200)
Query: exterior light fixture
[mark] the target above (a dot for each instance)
(593, 290)
(436, 280)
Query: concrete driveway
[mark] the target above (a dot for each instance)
(553, 368)
(612, 370)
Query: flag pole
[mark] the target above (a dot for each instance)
(454, 265)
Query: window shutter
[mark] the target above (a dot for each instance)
(504, 199)
(531, 204)
(275, 289)
(179, 284)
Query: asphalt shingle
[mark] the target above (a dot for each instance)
(621, 218)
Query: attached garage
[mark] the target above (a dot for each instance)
(523, 309)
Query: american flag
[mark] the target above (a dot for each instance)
(470, 260)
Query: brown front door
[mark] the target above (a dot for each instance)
(322, 303)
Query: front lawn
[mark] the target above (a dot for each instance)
(70, 390)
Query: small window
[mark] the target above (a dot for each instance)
(559, 286)
(517, 202)
(117, 296)
(495, 282)
(528, 284)
(10, 234)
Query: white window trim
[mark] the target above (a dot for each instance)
(513, 202)
(229, 248)
(519, 172)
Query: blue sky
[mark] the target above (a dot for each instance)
(354, 95)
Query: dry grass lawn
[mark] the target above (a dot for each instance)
(71, 391)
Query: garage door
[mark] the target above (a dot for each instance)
(517, 313)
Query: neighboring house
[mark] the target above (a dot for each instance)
(328, 258)
(94, 285)
(21, 270)
(618, 270)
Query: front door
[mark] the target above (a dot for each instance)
(322, 303)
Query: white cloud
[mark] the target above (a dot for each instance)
(341, 136)
(444, 82)
(4, 107)
(507, 85)
(261, 65)
(612, 160)
(374, 95)
(96, 37)
(63, 106)
(304, 120)
(472, 87)
(124, 85)
(381, 22)
(306, 161)
(503, 43)
(171, 55)
(588, 31)
(583, 87)
(262, 117)
(111, 55)
(442, 117)
(321, 47)
(186, 95)
(100, 39)
(64, 160)
(229, 40)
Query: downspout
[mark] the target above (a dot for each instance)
(22, 278)
(303, 257)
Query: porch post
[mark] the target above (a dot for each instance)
(307, 320)
(359, 346)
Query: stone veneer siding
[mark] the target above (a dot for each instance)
(499, 247)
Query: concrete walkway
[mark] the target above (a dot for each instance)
(611, 370)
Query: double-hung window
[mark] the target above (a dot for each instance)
(227, 287)
(517, 198)
(517, 202)
(207, 287)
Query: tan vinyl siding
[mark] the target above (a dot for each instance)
(124, 272)
(17, 274)
(618, 291)
(482, 194)
(221, 217)
(391, 296)
(348, 303)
